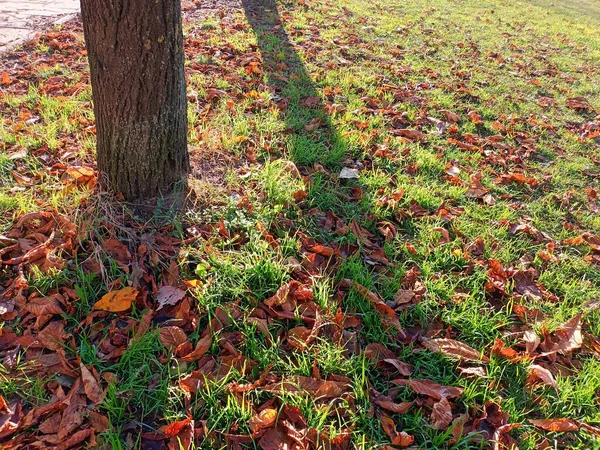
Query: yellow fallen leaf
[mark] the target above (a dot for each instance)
(117, 301)
(192, 283)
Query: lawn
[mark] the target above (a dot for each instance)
(391, 237)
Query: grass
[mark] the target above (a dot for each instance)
(371, 68)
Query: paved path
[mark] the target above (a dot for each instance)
(20, 20)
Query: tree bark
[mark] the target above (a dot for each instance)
(135, 51)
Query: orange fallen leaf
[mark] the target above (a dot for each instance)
(117, 301)
(5, 79)
(175, 428)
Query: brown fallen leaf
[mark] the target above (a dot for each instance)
(442, 414)
(539, 373)
(91, 386)
(377, 303)
(117, 301)
(172, 337)
(557, 425)
(397, 408)
(169, 295)
(454, 349)
(569, 337)
(264, 419)
(202, 347)
(321, 389)
(10, 419)
(400, 439)
(434, 390)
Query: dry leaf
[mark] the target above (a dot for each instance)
(542, 374)
(454, 349)
(559, 425)
(169, 295)
(117, 301)
(172, 337)
(91, 386)
(442, 414)
(264, 419)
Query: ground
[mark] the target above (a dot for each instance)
(391, 238)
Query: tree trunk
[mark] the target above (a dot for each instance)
(135, 50)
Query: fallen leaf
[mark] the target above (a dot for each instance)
(434, 390)
(172, 337)
(91, 386)
(569, 337)
(442, 414)
(454, 349)
(558, 425)
(117, 301)
(401, 439)
(542, 374)
(175, 428)
(264, 419)
(349, 173)
(169, 295)
(397, 408)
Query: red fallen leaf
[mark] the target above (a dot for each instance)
(39, 306)
(442, 414)
(169, 295)
(397, 408)
(264, 419)
(175, 428)
(531, 340)
(557, 425)
(300, 195)
(432, 389)
(91, 386)
(73, 415)
(300, 337)
(454, 349)
(401, 439)
(184, 439)
(539, 373)
(473, 371)
(171, 337)
(376, 352)
(476, 189)
(569, 337)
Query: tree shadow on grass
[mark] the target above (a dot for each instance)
(312, 136)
